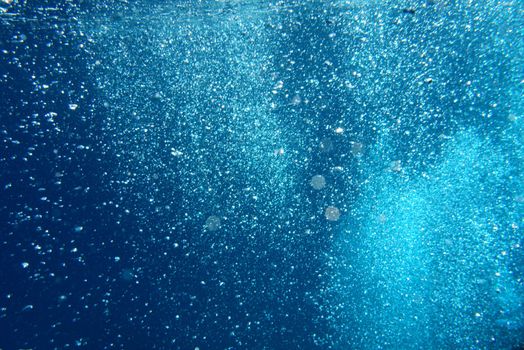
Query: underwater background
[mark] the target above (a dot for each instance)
(261, 174)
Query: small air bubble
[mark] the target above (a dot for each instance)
(176, 153)
(318, 182)
(213, 223)
(332, 213)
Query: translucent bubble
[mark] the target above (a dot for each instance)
(212, 223)
(357, 148)
(296, 100)
(127, 274)
(176, 153)
(326, 145)
(395, 166)
(279, 152)
(318, 182)
(332, 213)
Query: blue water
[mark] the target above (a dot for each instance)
(262, 175)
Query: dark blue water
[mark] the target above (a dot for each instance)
(261, 175)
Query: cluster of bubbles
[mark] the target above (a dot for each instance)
(294, 174)
(241, 123)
